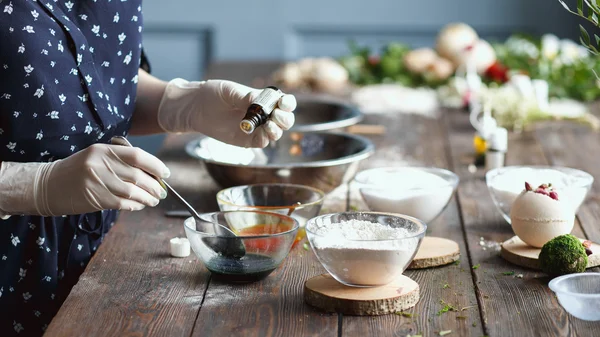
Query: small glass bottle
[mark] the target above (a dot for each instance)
(496, 150)
(259, 111)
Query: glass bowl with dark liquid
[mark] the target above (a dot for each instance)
(266, 237)
(304, 202)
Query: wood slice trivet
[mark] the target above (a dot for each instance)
(435, 252)
(518, 252)
(327, 294)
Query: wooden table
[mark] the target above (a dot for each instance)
(132, 287)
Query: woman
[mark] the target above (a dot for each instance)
(71, 77)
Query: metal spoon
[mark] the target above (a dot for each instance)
(227, 245)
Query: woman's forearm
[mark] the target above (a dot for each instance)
(149, 94)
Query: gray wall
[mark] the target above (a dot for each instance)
(182, 36)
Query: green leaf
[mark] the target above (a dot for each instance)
(584, 35)
(564, 5)
(580, 7)
(594, 17)
(305, 246)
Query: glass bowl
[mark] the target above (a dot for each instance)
(506, 183)
(277, 198)
(579, 294)
(420, 192)
(355, 260)
(267, 239)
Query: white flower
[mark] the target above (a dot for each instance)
(79, 114)
(28, 29)
(116, 17)
(570, 51)
(100, 94)
(83, 17)
(28, 69)
(82, 47)
(91, 49)
(74, 72)
(95, 29)
(140, 29)
(550, 46)
(53, 114)
(53, 32)
(22, 272)
(60, 47)
(119, 53)
(123, 81)
(40, 135)
(40, 241)
(127, 100)
(73, 128)
(72, 148)
(15, 240)
(134, 79)
(69, 5)
(39, 92)
(11, 29)
(79, 58)
(88, 129)
(16, 113)
(105, 64)
(122, 37)
(104, 36)
(26, 85)
(88, 78)
(8, 8)
(134, 18)
(35, 14)
(21, 49)
(45, 153)
(31, 226)
(37, 313)
(52, 64)
(26, 296)
(112, 80)
(83, 98)
(18, 327)
(79, 247)
(47, 278)
(44, 51)
(62, 98)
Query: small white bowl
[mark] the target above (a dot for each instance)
(406, 190)
(506, 183)
(579, 294)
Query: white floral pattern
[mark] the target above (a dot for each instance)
(69, 76)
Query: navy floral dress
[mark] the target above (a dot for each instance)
(68, 78)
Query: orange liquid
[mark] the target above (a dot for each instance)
(268, 244)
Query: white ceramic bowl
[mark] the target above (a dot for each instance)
(579, 294)
(506, 183)
(419, 192)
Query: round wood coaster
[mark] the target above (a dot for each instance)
(327, 294)
(435, 252)
(518, 252)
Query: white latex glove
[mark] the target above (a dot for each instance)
(215, 109)
(97, 178)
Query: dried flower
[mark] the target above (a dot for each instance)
(528, 187)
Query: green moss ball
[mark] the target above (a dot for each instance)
(562, 255)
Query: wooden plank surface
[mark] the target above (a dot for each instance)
(418, 141)
(510, 305)
(133, 287)
(274, 306)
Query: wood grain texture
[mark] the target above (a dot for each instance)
(511, 306)
(133, 286)
(274, 306)
(327, 294)
(515, 251)
(435, 252)
(417, 141)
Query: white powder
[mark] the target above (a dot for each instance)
(408, 191)
(351, 252)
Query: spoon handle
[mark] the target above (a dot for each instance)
(118, 140)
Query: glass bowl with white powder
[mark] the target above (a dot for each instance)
(506, 183)
(365, 249)
(420, 192)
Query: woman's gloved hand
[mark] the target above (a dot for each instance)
(97, 178)
(216, 107)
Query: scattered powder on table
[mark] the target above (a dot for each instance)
(345, 250)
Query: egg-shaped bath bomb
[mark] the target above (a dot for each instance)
(454, 39)
(538, 215)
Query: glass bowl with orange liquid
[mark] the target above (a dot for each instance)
(266, 237)
(304, 202)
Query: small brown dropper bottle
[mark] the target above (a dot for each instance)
(258, 112)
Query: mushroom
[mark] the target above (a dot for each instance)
(455, 38)
(419, 60)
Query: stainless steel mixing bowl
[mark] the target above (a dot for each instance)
(324, 113)
(322, 160)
